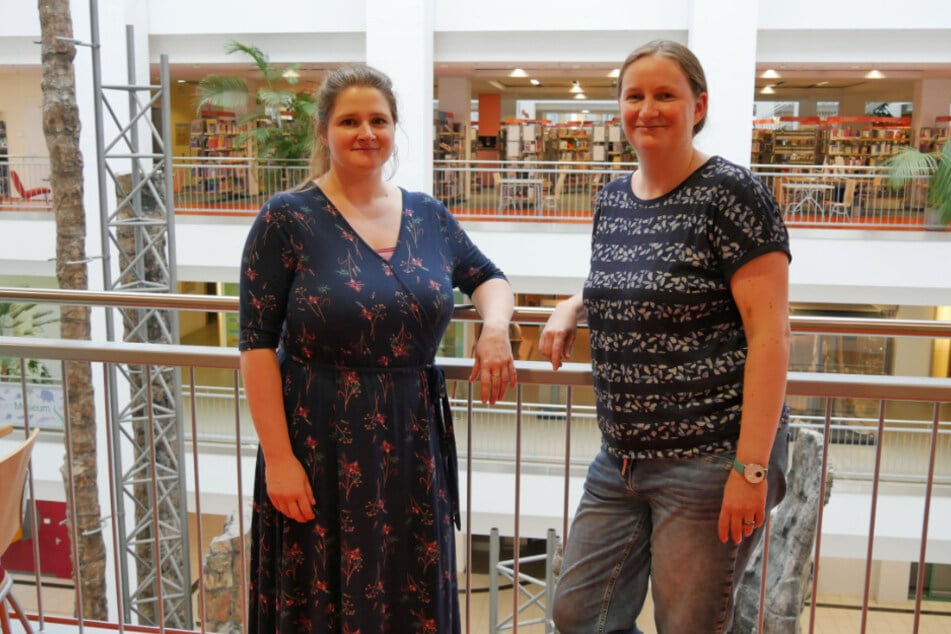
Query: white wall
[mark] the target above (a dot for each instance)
(858, 267)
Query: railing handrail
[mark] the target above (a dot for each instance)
(463, 312)
(911, 388)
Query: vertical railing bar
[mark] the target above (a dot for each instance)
(468, 506)
(495, 544)
(74, 525)
(929, 489)
(236, 381)
(153, 483)
(565, 510)
(518, 507)
(761, 612)
(113, 505)
(34, 522)
(821, 514)
(872, 520)
(201, 540)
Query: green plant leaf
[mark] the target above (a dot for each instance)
(223, 91)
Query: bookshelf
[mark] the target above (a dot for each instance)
(214, 135)
(867, 146)
(449, 143)
(523, 140)
(933, 139)
(761, 150)
(572, 143)
(796, 147)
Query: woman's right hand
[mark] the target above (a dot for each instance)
(558, 336)
(289, 489)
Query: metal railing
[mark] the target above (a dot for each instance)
(523, 520)
(24, 183)
(821, 196)
(526, 492)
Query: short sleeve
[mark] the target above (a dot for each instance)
(747, 221)
(470, 267)
(268, 264)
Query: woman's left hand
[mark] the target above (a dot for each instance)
(494, 366)
(743, 509)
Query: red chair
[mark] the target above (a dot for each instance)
(27, 194)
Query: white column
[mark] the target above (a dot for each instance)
(725, 43)
(932, 99)
(455, 96)
(399, 38)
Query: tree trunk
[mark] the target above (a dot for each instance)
(61, 127)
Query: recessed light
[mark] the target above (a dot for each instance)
(181, 81)
(769, 73)
(615, 72)
(580, 95)
(767, 90)
(534, 82)
(518, 72)
(576, 87)
(874, 74)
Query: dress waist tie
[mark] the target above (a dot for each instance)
(439, 397)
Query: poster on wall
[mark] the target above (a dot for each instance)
(44, 403)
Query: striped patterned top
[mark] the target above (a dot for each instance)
(667, 343)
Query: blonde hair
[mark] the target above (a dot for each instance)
(679, 54)
(357, 75)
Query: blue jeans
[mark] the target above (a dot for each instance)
(658, 521)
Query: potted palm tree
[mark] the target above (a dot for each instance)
(277, 118)
(932, 172)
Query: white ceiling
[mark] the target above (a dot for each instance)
(814, 81)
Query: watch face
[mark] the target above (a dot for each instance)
(754, 473)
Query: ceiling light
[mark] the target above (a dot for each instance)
(290, 73)
(615, 72)
(496, 85)
(518, 72)
(874, 74)
(181, 81)
(576, 87)
(534, 82)
(769, 73)
(767, 90)
(580, 95)
(585, 111)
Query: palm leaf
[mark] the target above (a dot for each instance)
(260, 59)
(223, 91)
(908, 165)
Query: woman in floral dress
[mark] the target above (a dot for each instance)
(346, 291)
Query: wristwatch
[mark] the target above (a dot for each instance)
(754, 473)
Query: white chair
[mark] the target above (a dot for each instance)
(505, 195)
(844, 207)
(13, 469)
(552, 200)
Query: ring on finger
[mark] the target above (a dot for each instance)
(750, 523)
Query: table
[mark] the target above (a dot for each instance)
(799, 194)
(520, 193)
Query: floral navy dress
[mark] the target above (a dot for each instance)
(367, 415)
